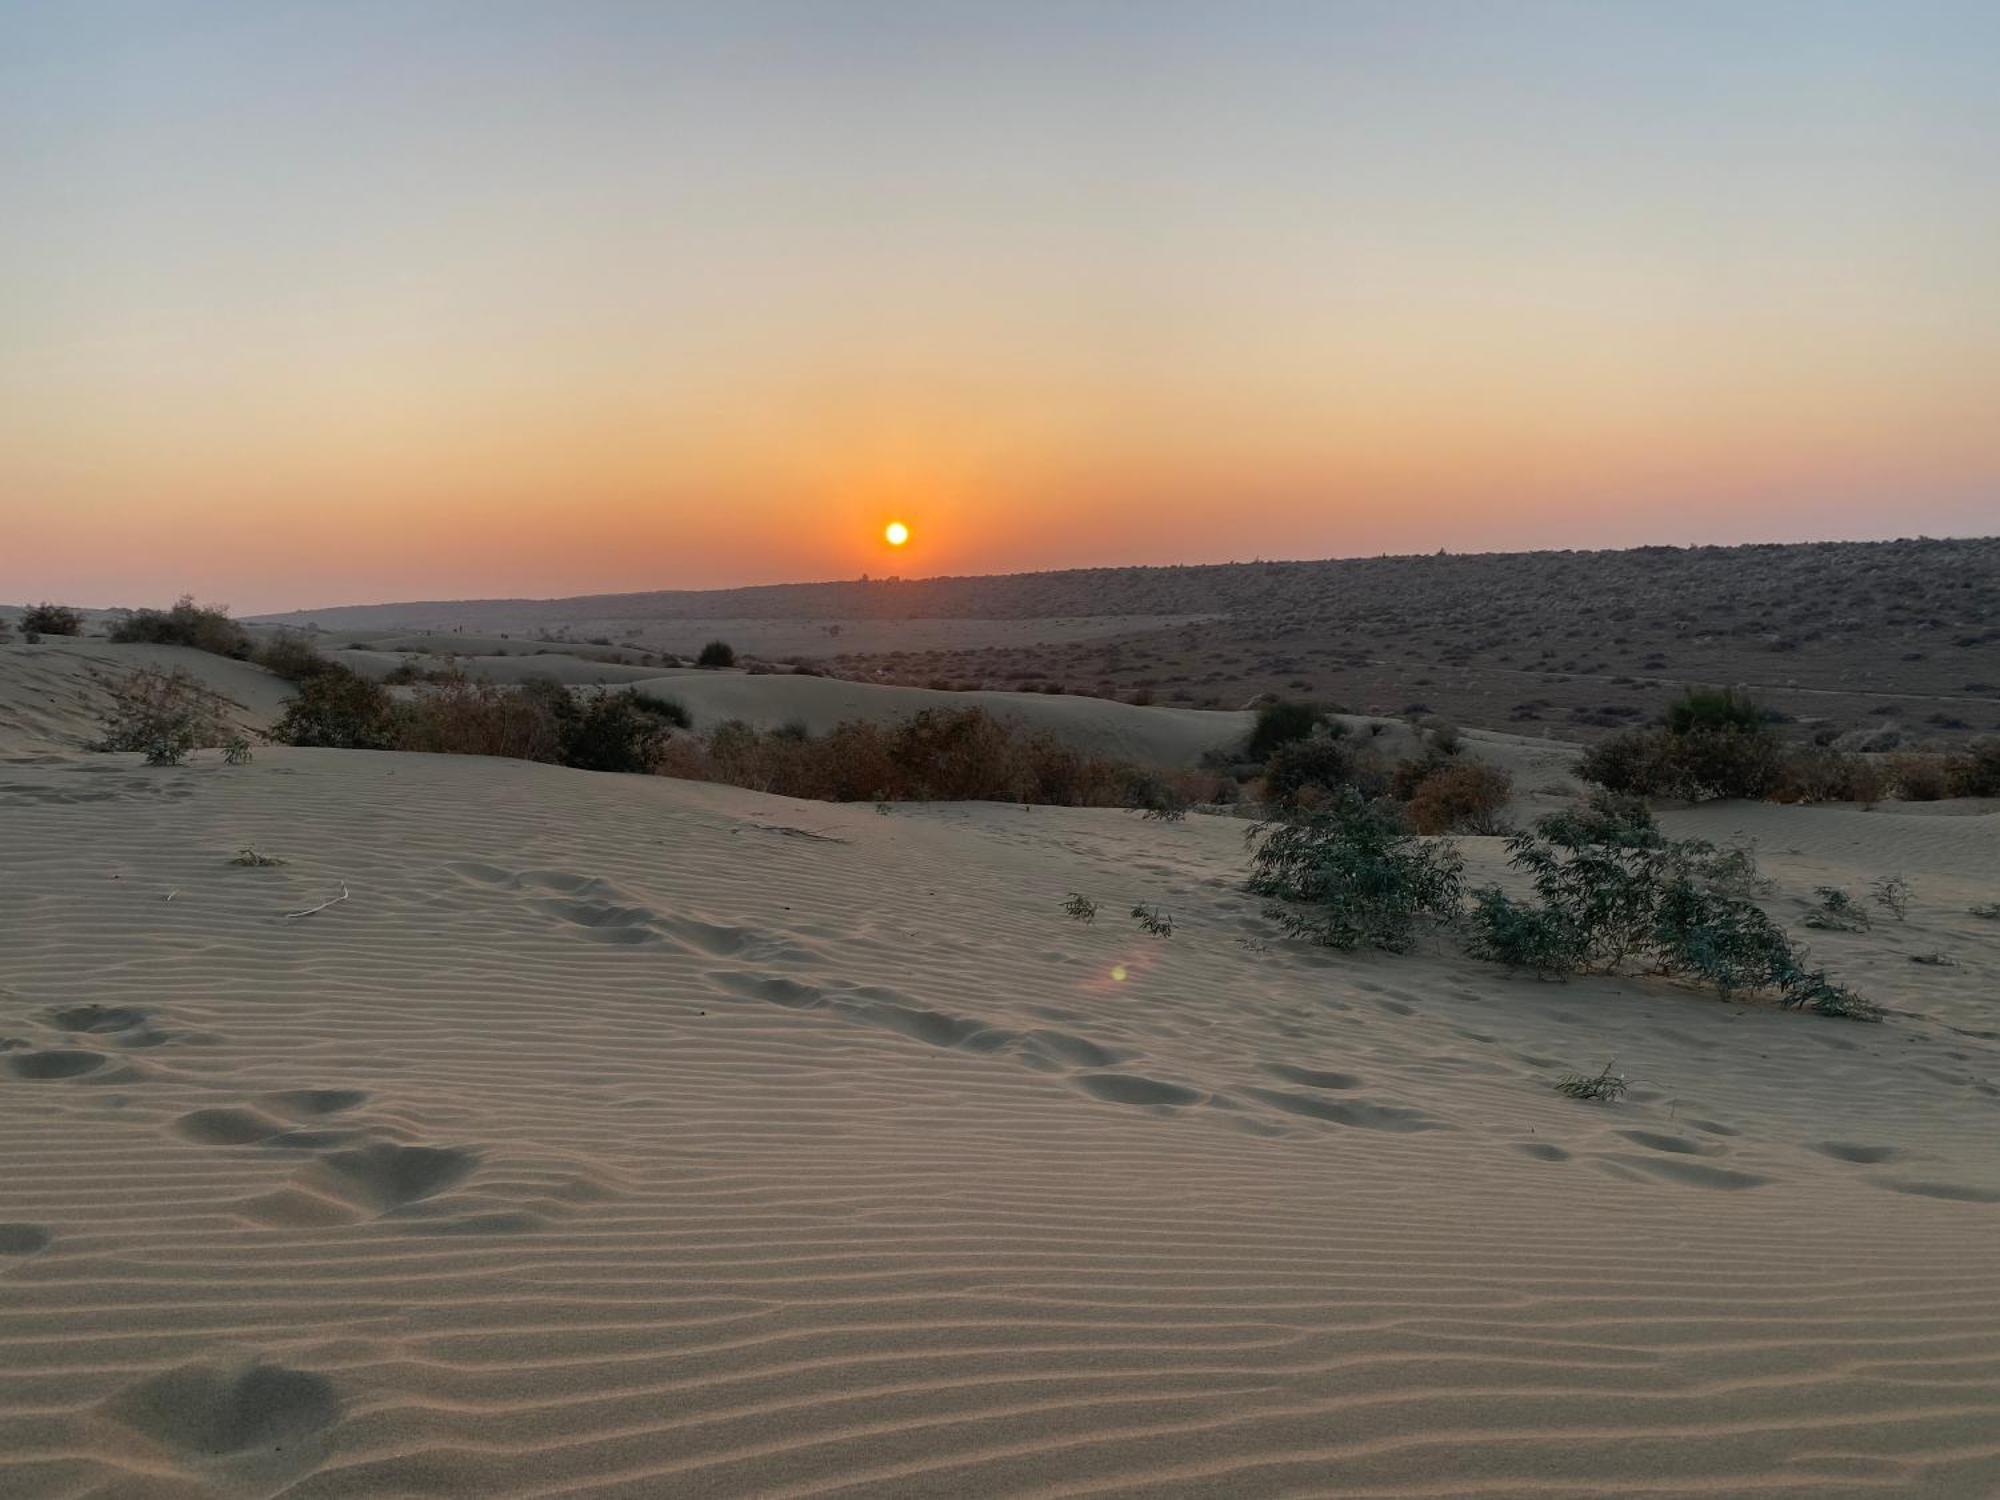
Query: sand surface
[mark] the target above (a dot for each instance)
(617, 1136)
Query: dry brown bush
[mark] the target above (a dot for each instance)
(1916, 777)
(1821, 774)
(458, 716)
(942, 755)
(1467, 797)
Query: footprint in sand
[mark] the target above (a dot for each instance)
(1313, 1078)
(54, 1063)
(225, 1126)
(1673, 1144)
(242, 1413)
(124, 1025)
(383, 1177)
(23, 1239)
(314, 1104)
(1951, 1192)
(1395, 1118)
(1860, 1155)
(1694, 1173)
(1130, 1088)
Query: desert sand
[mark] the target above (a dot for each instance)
(533, 1132)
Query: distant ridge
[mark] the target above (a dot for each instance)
(1252, 588)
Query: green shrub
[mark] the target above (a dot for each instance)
(1710, 763)
(616, 731)
(1606, 818)
(163, 715)
(1280, 723)
(1534, 939)
(1602, 1087)
(1153, 793)
(204, 628)
(716, 654)
(1631, 763)
(339, 709)
(1723, 709)
(1720, 940)
(51, 619)
(1609, 890)
(291, 654)
(1354, 877)
(1702, 764)
(1837, 911)
(1307, 771)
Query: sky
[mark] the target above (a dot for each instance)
(304, 304)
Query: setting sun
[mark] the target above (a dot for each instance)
(895, 533)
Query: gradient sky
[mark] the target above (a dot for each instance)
(306, 304)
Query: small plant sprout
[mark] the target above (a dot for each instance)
(1893, 893)
(1607, 1086)
(236, 751)
(1990, 910)
(248, 855)
(1080, 908)
(1153, 920)
(1837, 911)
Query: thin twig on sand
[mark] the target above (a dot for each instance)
(335, 901)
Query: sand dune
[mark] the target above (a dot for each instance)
(52, 695)
(625, 1137)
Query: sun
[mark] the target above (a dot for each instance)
(895, 533)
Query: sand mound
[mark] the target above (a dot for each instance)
(52, 695)
(852, 1167)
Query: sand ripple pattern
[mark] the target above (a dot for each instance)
(605, 1144)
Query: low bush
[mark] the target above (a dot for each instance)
(1976, 773)
(1601, 1087)
(202, 627)
(1723, 709)
(1716, 743)
(1609, 890)
(1080, 908)
(163, 715)
(460, 715)
(339, 709)
(1893, 894)
(1350, 875)
(937, 755)
(716, 654)
(1817, 773)
(1700, 765)
(1462, 797)
(51, 619)
(1915, 777)
(1307, 772)
(1280, 723)
(621, 731)
(291, 654)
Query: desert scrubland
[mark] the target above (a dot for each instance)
(379, 1122)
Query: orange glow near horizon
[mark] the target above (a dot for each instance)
(603, 298)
